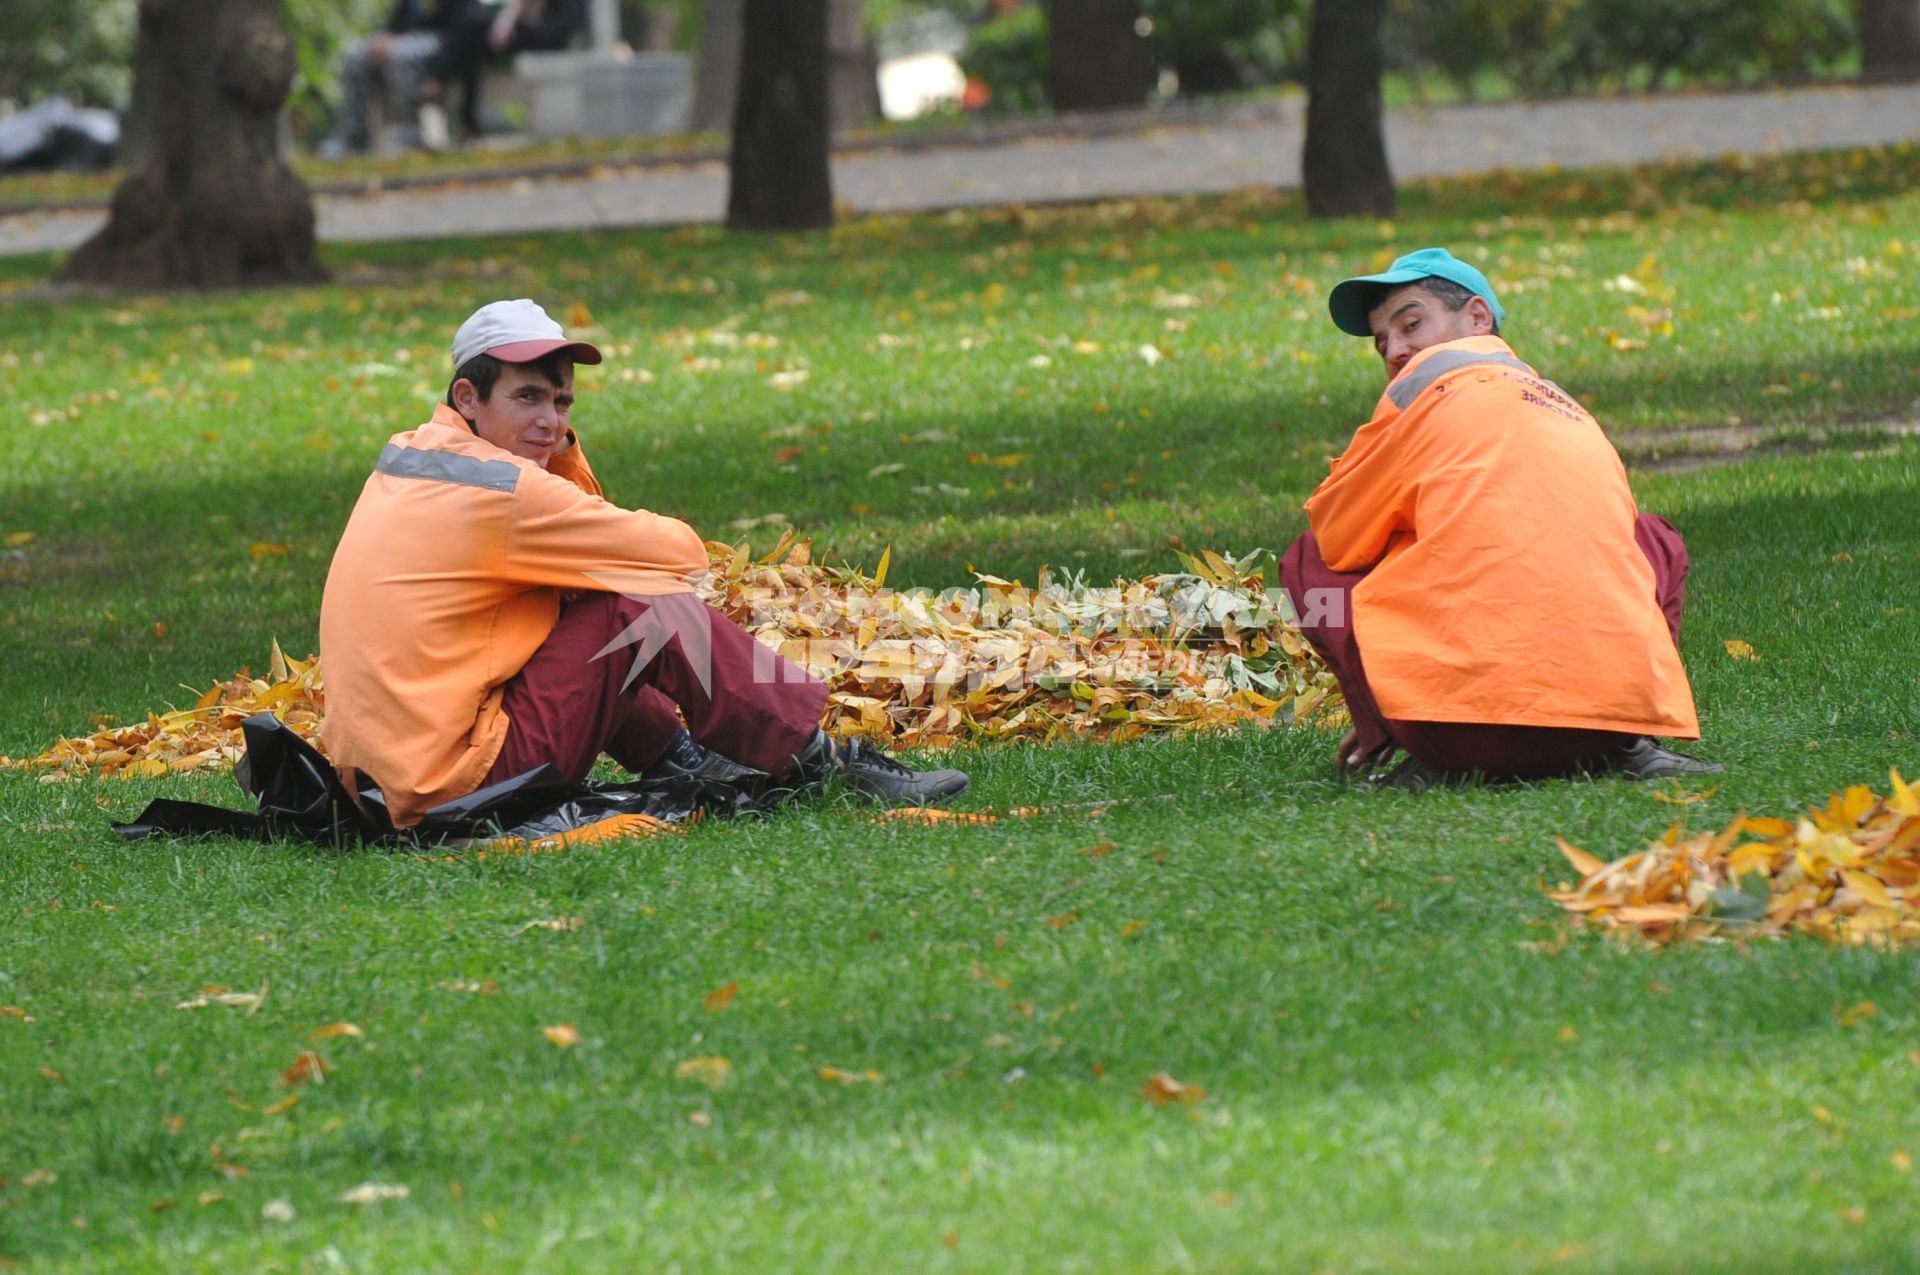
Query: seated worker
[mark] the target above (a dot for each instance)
(1492, 600)
(483, 597)
(401, 58)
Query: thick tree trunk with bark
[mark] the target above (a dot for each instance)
(716, 78)
(780, 175)
(1345, 162)
(853, 70)
(1890, 39)
(1096, 56)
(212, 205)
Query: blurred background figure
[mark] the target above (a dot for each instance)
(394, 65)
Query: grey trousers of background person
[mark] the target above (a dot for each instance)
(398, 79)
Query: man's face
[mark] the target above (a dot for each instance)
(1411, 318)
(526, 414)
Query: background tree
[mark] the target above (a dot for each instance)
(1890, 39)
(853, 68)
(213, 205)
(716, 76)
(780, 178)
(1345, 162)
(1098, 55)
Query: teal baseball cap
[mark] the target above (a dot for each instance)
(1353, 299)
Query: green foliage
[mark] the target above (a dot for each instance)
(1571, 46)
(1263, 40)
(80, 48)
(1008, 53)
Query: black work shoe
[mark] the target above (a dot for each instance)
(887, 780)
(711, 768)
(1413, 775)
(1642, 758)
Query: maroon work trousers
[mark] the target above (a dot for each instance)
(571, 702)
(1492, 749)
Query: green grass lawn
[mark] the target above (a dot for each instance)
(1405, 1068)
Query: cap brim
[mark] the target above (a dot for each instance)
(528, 351)
(1352, 300)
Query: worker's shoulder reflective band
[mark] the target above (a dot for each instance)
(447, 467)
(1409, 387)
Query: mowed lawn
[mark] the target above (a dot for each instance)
(938, 1037)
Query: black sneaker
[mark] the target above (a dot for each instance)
(1412, 775)
(874, 775)
(1642, 758)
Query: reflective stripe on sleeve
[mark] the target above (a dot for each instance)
(1409, 387)
(447, 467)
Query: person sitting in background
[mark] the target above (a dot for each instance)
(1477, 574)
(488, 31)
(396, 62)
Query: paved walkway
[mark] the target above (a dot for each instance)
(1191, 151)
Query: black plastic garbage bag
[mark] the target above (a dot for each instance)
(299, 796)
(58, 134)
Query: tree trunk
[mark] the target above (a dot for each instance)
(1890, 39)
(716, 80)
(1345, 162)
(853, 71)
(213, 205)
(780, 173)
(1096, 56)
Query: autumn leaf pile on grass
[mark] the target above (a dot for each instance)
(1169, 653)
(1845, 872)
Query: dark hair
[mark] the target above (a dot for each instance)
(485, 372)
(1453, 295)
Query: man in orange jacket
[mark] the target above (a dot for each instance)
(1477, 574)
(484, 592)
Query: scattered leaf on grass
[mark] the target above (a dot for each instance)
(308, 1066)
(282, 1107)
(720, 997)
(209, 1197)
(712, 1072)
(249, 1001)
(1062, 921)
(1740, 650)
(1164, 1091)
(39, 1177)
(14, 1011)
(558, 924)
(1901, 1161)
(465, 986)
(700, 1120)
(563, 1035)
(1853, 1014)
(375, 1192)
(277, 1211)
(840, 1076)
(335, 1029)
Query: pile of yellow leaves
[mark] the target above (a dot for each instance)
(1162, 654)
(207, 734)
(1846, 873)
(1198, 650)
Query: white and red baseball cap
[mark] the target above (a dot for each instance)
(515, 332)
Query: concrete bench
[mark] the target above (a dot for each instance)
(600, 88)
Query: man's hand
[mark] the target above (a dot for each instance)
(500, 35)
(1351, 760)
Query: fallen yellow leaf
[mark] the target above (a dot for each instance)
(1164, 1091)
(840, 1076)
(712, 1072)
(563, 1035)
(720, 997)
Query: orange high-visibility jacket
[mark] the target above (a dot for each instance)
(447, 579)
(1505, 586)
